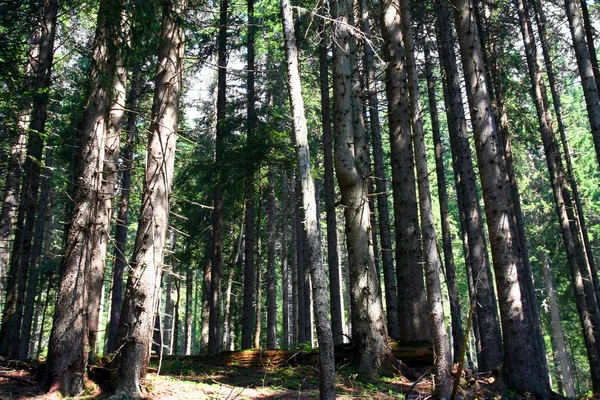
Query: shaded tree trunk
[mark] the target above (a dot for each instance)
(134, 332)
(271, 275)
(286, 307)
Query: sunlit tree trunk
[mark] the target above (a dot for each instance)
(137, 315)
(309, 227)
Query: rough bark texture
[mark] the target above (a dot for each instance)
(412, 304)
(431, 255)
(137, 316)
(368, 320)
(41, 65)
(313, 242)
(521, 368)
(67, 352)
(486, 324)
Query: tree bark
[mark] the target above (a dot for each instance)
(135, 325)
(271, 275)
(286, 307)
(189, 296)
(313, 242)
(256, 335)
(412, 304)
(521, 368)
(486, 324)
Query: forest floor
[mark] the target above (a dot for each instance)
(186, 378)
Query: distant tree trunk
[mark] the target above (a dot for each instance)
(189, 296)
(368, 321)
(294, 267)
(256, 336)
(17, 275)
(228, 292)
(104, 207)
(335, 284)
(176, 319)
(206, 280)
(271, 275)
(586, 71)
(67, 353)
(559, 337)
(486, 324)
(443, 384)
(214, 336)
(134, 331)
(41, 223)
(589, 38)
(47, 301)
(286, 308)
(123, 214)
(300, 267)
(168, 317)
(450, 272)
(522, 370)
(412, 304)
(307, 191)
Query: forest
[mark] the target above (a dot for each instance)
(187, 178)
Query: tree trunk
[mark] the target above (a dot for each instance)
(206, 280)
(300, 267)
(227, 331)
(17, 275)
(412, 305)
(286, 308)
(294, 267)
(313, 242)
(135, 325)
(67, 353)
(271, 275)
(586, 71)
(168, 317)
(486, 324)
(450, 271)
(589, 38)
(123, 215)
(522, 370)
(443, 384)
(368, 320)
(559, 337)
(256, 336)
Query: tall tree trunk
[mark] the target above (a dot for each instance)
(486, 324)
(522, 370)
(214, 337)
(271, 275)
(387, 255)
(286, 308)
(123, 214)
(67, 354)
(313, 242)
(168, 316)
(41, 67)
(589, 38)
(412, 304)
(256, 336)
(559, 337)
(368, 320)
(227, 331)
(443, 385)
(134, 332)
(450, 271)
(104, 207)
(294, 267)
(300, 268)
(206, 281)
(586, 71)
(333, 261)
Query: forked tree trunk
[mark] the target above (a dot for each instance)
(313, 242)
(137, 316)
(412, 304)
(486, 324)
(522, 370)
(41, 66)
(431, 255)
(67, 353)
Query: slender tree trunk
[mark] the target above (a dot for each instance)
(123, 214)
(134, 332)
(259, 276)
(589, 38)
(522, 369)
(559, 337)
(443, 385)
(313, 242)
(17, 275)
(486, 324)
(189, 296)
(286, 307)
(586, 71)
(206, 281)
(227, 334)
(176, 320)
(450, 272)
(368, 321)
(412, 305)
(294, 268)
(271, 275)
(300, 268)
(168, 317)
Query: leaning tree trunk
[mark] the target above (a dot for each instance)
(368, 321)
(313, 242)
(137, 316)
(487, 326)
(443, 384)
(522, 370)
(67, 353)
(41, 67)
(586, 71)
(412, 304)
